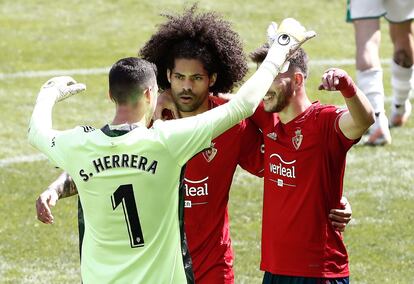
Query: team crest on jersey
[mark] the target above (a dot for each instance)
(297, 139)
(210, 153)
(272, 135)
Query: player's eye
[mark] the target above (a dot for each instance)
(283, 39)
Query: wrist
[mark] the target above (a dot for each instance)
(55, 192)
(347, 87)
(49, 94)
(271, 67)
(349, 91)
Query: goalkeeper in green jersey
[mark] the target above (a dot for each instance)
(128, 175)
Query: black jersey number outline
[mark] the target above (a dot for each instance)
(125, 195)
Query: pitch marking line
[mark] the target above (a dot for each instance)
(105, 70)
(22, 159)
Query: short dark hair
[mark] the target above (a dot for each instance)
(205, 37)
(298, 60)
(129, 77)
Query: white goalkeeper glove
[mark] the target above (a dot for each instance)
(284, 41)
(60, 88)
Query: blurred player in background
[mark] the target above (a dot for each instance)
(365, 15)
(198, 55)
(304, 161)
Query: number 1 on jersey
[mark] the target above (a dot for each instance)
(125, 195)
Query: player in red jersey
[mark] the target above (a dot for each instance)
(190, 41)
(204, 56)
(305, 149)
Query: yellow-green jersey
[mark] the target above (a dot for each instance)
(128, 185)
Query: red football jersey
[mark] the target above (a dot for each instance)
(304, 167)
(207, 182)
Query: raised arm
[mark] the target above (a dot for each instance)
(200, 129)
(40, 132)
(360, 115)
(285, 41)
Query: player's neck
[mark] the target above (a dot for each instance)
(126, 114)
(296, 106)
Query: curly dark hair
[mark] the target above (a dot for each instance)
(205, 37)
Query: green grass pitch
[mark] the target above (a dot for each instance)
(40, 35)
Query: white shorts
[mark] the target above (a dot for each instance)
(395, 11)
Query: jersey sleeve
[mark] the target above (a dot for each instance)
(251, 149)
(185, 137)
(330, 124)
(43, 137)
(188, 136)
(261, 118)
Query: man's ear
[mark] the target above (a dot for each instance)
(213, 79)
(169, 75)
(299, 79)
(110, 96)
(147, 94)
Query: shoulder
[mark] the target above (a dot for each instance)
(74, 135)
(216, 101)
(326, 110)
(85, 128)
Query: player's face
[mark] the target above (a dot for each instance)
(279, 94)
(190, 86)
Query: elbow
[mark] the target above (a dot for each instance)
(370, 118)
(364, 122)
(367, 122)
(30, 135)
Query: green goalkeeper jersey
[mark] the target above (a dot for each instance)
(128, 186)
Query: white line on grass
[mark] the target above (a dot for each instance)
(51, 73)
(22, 159)
(105, 70)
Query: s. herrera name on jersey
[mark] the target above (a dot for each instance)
(120, 161)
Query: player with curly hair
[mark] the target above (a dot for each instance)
(190, 48)
(198, 55)
(202, 56)
(205, 37)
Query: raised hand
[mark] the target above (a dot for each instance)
(285, 40)
(335, 79)
(61, 88)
